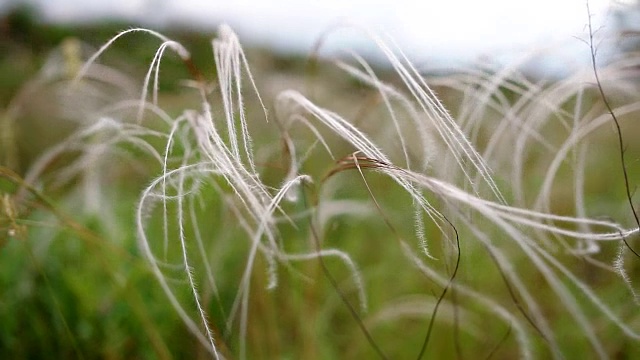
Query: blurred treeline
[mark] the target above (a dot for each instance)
(25, 40)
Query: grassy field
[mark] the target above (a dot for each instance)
(238, 204)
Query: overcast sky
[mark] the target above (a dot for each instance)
(429, 30)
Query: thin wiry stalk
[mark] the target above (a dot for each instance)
(423, 349)
(334, 284)
(451, 279)
(456, 324)
(372, 164)
(376, 165)
(511, 279)
(522, 336)
(421, 306)
(605, 100)
(499, 344)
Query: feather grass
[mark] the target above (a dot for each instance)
(448, 183)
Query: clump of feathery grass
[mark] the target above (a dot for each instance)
(427, 155)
